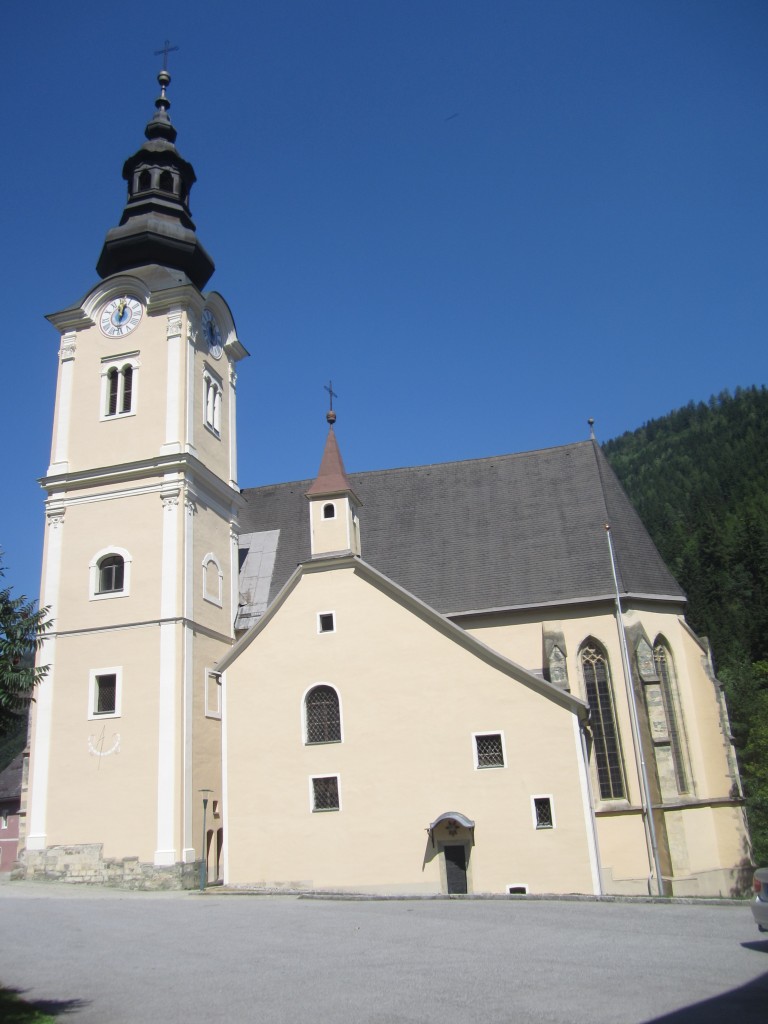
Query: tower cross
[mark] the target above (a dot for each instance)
(167, 48)
(331, 393)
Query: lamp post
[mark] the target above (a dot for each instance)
(203, 858)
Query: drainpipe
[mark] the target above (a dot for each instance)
(645, 791)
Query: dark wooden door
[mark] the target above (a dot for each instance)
(456, 868)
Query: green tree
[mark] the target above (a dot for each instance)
(22, 628)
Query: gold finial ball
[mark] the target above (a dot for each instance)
(330, 417)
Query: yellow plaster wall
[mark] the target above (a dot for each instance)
(411, 700)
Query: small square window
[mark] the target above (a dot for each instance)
(325, 793)
(489, 750)
(542, 809)
(106, 695)
(326, 622)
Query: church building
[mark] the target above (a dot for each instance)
(471, 677)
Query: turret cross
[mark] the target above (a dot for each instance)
(331, 393)
(167, 48)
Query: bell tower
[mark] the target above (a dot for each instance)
(140, 556)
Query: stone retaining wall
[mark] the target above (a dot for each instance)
(86, 864)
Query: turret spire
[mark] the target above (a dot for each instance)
(156, 226)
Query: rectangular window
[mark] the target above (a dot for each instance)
(517, 890)
(325, 793)
(104, 693)
(326, 622)
(489, 750)
(543, 816)
(3, 819)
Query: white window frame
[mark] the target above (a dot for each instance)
(324, 810)
(543, 796)
(304, 695)
(320, 630)
(489, 767)
(119, 363)
(212, 694)
(4, 818)
(94, 574)
(207, 595)
(117, 672)
(213, 397)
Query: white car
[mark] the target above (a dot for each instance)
(760, 902)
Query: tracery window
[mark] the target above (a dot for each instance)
(322, 715)
(666, 673)
(597, 683)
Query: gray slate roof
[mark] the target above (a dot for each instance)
(508, 531)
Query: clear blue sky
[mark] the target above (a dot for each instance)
(484, 221)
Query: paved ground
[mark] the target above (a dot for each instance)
(122, 958)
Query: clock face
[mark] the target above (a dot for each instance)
(120, 316)
(212, 334)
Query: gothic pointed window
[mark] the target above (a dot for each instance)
(665, 670)
(597, 683)
(322, 715)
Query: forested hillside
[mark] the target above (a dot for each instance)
(699, 479)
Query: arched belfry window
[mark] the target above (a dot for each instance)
(665, 669)
(145, 180)
(110, 574)
(322, 715)
(166, 181)
(597, 684)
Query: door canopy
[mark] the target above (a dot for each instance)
(451, 819)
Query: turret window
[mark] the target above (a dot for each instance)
(118, 391)
(144, 181)
(329, 511)
(166, 181)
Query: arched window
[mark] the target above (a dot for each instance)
(166, 181)
(323, 716)
(212, 404)
(119, 387)
(145, 180)
(212, 579)
(329, 511)
(111, 574)
(666, 672)
(597, 683)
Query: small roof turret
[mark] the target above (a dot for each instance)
(331, 477)
(156, 226)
